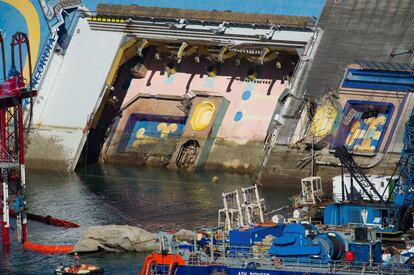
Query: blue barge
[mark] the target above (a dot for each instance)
(286, 249)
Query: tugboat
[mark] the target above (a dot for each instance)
(82, 269)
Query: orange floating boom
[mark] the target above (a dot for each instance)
(48, 249)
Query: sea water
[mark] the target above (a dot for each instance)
(152, 198)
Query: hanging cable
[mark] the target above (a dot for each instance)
(400, 38)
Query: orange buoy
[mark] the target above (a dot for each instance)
(48, 249)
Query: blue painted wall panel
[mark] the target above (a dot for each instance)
(146, 128)
(379, 80)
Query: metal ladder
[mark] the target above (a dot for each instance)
(267, 150)
(348, 161)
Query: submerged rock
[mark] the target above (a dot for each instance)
(116, 238)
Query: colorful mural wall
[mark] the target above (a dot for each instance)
(365, 131)
(225, 109)
(147, 132)
(252, 103)
(373, 102)
(143, 130)
(368, 107)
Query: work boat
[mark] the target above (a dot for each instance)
(81, 269)
(366, 229)
(244, 244)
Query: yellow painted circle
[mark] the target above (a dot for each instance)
(202, 115)
(323, 121)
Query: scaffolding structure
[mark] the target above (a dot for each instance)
(253, 205)
(232, 211)
(14, 91)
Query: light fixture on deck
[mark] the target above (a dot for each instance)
(221, 53)
(221, 28)
(181, 50)
(143, 43)
(171, 68)
(252, 74)
(285, 78)
(278, 65)
(212, 70)
(157, 56)
(237, 60)
(263, 54)
(198, 54)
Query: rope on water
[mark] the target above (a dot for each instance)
(122, 215)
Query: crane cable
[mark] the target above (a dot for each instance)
(400, 39)
(397, 45)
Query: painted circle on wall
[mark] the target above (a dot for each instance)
(238, 116)
(246, 95)
(202, 115)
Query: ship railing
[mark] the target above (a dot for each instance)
(244, 257)
(70, 27)
(7, 157)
